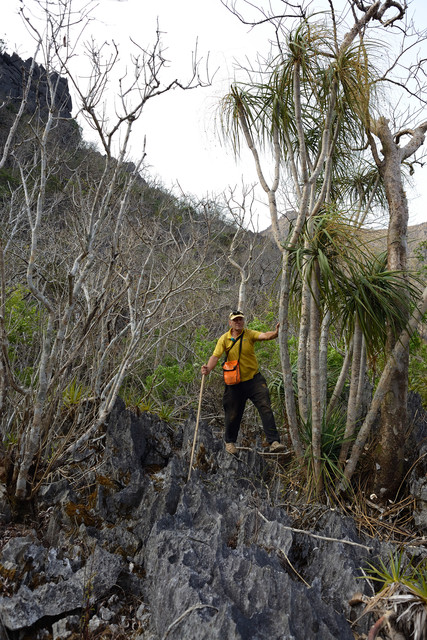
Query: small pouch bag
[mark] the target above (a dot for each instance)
(231, 371)
(231, 368)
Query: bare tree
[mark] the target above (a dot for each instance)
(108, 278)
(244, 239)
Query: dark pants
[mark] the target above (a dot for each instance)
(234, 401)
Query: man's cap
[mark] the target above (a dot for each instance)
(236, 314)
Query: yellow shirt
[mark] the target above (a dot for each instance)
(248, 362)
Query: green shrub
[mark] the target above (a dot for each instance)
(74, 393)
(170, 380)
(267, 352)
(332, 440)
(22, 317)
(8, 182)
(402, 589)
(418, 368)
(23, 324)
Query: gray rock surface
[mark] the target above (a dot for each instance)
(141, 553)
(75, 591)
(13, 74)
(418, 487)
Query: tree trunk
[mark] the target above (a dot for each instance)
(340, 382)
(395, 361)
(360, 404)
(394, 420)
(324, 341)
(315, 384)
(285, 359)
(354, 386)
(303, 351)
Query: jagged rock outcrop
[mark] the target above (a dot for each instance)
(13, 75)
(416, 454)
(128, 547)
(64, 590)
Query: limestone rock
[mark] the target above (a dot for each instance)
(87, 585)
(13, 74)
(160, 555)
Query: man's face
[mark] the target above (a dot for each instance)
(237, 323)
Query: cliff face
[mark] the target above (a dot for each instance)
(13, 76)
(416, 234)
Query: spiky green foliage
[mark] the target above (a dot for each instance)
(353, 281)
(332, 439)
(418, 367)
(403, 589)
(309, 69)
(395, 570)
(379, 298)
(74, 393)
(329, 240)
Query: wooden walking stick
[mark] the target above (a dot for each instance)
(197, 426)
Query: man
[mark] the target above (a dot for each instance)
(252, 386)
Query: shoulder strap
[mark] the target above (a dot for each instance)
(233, 345)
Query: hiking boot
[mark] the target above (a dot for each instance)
(276, 447)
(230, 447)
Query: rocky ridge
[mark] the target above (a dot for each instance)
(125, 545)
(14, 73)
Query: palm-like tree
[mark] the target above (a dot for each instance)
(310, 106)
(304, 108)
(359, 297)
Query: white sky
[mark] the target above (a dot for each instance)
(182, 143)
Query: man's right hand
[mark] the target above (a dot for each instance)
(207, 368)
